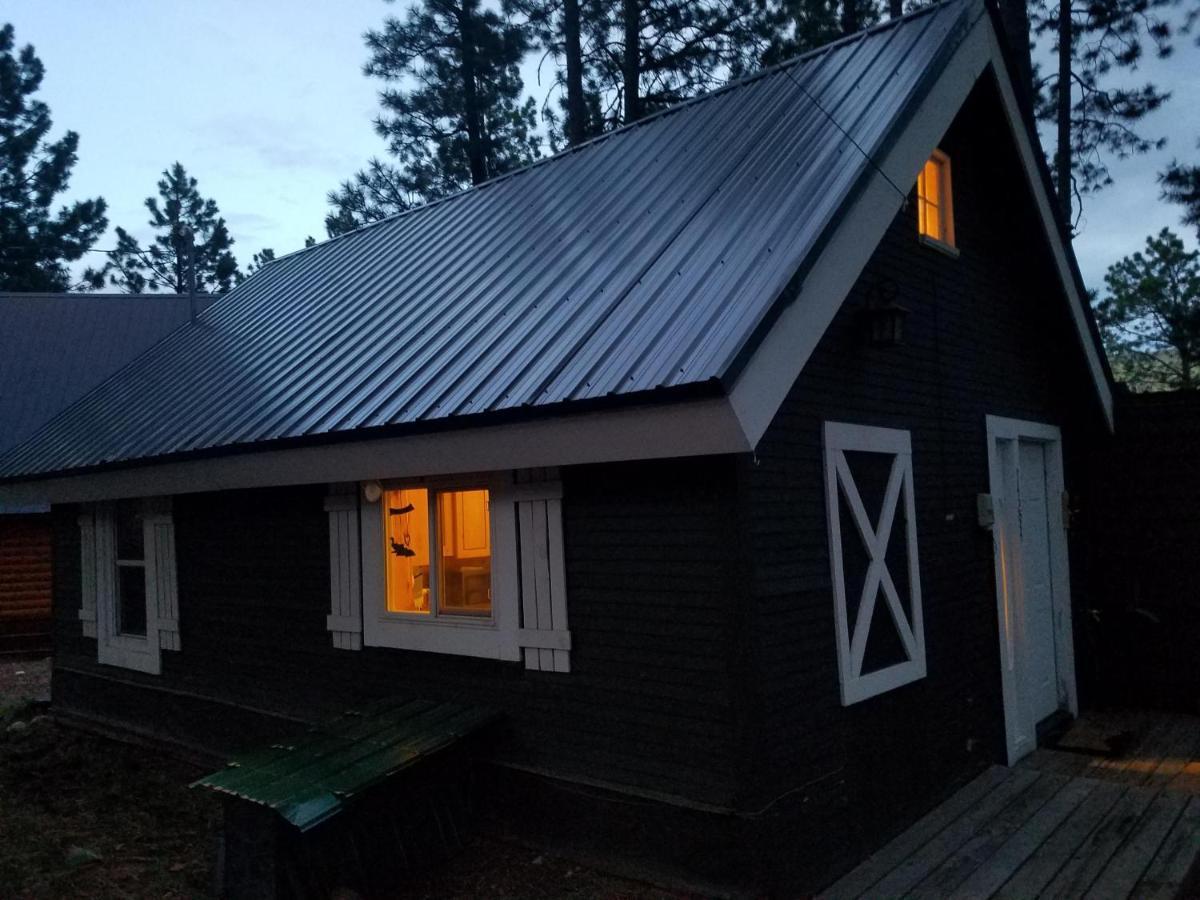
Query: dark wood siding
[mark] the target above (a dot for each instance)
(987, 334)
(646, 705)
(25, 563)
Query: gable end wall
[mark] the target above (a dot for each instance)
(987, 333)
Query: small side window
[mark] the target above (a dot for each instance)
(130, 600)
(935, 207)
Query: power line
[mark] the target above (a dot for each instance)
(787, 70)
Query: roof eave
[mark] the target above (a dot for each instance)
(694, 421)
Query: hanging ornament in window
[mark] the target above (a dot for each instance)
(404, 549)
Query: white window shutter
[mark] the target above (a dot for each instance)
(544, 634)
(162, 578)
(345, 577)
(879, 603)
(87, 571)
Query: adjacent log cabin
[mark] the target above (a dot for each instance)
(54, 348)
(731, 456)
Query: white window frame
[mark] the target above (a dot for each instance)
(839, 483)
(495, 637)
(140, 653)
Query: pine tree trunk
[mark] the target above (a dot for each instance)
(476, 152)
(1062, 161)
(1014, 14)
(850, 18)
(895, 8)
(631, 69)
(576, 124)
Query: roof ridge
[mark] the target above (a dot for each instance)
(744, 80)
(99, 295)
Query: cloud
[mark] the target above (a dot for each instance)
(277, 143)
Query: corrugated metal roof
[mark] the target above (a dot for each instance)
(310, 780)
(642, 261)
(54, 348)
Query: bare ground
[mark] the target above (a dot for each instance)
(23, 680)
(86, 816)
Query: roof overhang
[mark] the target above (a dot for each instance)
(701, 427)
(819, 291)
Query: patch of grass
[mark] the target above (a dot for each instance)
(83, 816)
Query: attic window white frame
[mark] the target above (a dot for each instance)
(494, 637)
(874, 530)
(943, 202)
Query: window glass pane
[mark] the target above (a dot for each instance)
(465, 553)
(131, 600)
(406, 531)
(130, 537)
(933, 221)
(931, 184)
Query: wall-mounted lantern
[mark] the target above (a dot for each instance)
(885, 317)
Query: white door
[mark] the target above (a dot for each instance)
(1037, 670)
(1033, 586)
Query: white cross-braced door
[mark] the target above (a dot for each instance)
(873, 558)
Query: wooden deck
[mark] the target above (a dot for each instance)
(1074, 822)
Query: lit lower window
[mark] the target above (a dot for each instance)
(935, 215)
(439, 552)
(130, 608)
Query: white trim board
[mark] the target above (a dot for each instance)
(1019, 732)
(690, 428)
(774, 367)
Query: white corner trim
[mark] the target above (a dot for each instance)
(1002, 435)
(1061, 252)
(658, 431)
(771, 371)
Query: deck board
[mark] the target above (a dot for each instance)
(879, 864)
(997, 869)
(1059, 824)
(1176, 858)
(986, 841)
(1122, 873)
(917, 867)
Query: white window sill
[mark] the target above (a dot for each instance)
(941, 246)
(484, 638)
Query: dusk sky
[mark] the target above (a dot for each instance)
(265, 104)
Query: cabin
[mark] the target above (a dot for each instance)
(54, 348)
(738, 459)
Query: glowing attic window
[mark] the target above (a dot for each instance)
(935, 211)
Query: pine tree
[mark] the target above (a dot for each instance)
(1091, 116)
(452, 111)
(656, 53)
(36, 241)
(164, 265)
(257, 261)
(1150, 319)
(1181, 184)
(373, 193)
(639, 56)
